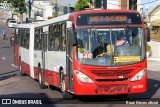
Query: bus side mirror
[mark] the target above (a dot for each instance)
(147, 31)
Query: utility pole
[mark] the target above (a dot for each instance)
(30, 7)
(56, 9)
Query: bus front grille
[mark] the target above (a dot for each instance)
(111, 72)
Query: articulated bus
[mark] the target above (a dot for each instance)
(90, 52)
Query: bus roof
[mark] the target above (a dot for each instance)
(53, 20)
(24, 25)
(104, 10)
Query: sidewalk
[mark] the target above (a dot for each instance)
(153, 64)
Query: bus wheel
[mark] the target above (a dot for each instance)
(20, 70)
(41, 83)
(65, 93)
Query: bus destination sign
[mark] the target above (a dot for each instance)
(95, 19)
(108, 19)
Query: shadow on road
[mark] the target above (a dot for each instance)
(5, 47)
(7, 75)
(153, 86)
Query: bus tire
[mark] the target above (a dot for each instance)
(41, 82)
(20, 70)
(66, 95)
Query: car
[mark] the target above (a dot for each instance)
(12, 23)
(8, 20)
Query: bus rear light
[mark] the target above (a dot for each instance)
(82, 77)
(139, 75)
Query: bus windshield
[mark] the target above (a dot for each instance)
(110, 47)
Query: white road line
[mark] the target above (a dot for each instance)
(3, 58)
(13, 65)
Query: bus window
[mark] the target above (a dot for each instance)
(50, 39)
(57, 37)
(38, 39)
(63, 37)
(27, 38)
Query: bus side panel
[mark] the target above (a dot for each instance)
(16, 55)
(25, 68)
(54, 61)
(56, 79)
(52, 78)
(36, 73)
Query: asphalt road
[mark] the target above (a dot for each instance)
(14, 86)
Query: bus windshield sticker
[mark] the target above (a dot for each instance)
(126, 59)
(101, 60)
(81, 49)
(86, 55)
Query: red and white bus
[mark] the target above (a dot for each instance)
(24, 48)
(90, 52)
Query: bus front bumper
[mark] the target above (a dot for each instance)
(110, 88)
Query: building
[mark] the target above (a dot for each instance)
(40, 9)
(106, 4)
(153, 17)
(63, 7)
(119, 4)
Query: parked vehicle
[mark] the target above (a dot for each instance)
(8, 20)
(12, 23)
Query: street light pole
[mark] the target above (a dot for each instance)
(29, 3)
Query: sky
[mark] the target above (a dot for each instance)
(150, 4)
(67, 2)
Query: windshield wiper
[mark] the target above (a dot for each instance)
(97, 36)
(122, 32)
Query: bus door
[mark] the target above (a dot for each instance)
(69, 63)
(44, 49)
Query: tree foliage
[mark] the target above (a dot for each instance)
(1, 1)
(19, 5)
(81, 4)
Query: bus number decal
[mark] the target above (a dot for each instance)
(86, 55)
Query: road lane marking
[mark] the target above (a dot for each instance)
(3, 58)
(13, 65)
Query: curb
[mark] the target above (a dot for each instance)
(153, 59)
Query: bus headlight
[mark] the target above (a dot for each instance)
(82, 77)
(139, 75)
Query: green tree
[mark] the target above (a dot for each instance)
(19, 7)
(81, 5)
(1, 1)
